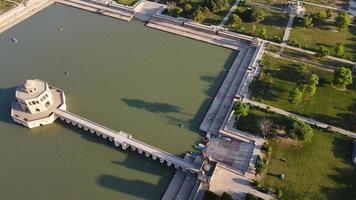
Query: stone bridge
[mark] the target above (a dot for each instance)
(125, 140)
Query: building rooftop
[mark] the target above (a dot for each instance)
(30, 89)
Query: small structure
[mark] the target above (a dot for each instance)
(35, 102)
(354, 152)
(256, 42)
(295, 8)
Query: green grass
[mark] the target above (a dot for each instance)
(278, 78)
(317, 170)
(274, 23)
(127, 2)
(5, 6)
(325, 34)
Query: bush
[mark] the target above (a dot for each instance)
(323, 52)
(217, 5)
(198, 15)
(260, 165)
(226, 196)
(300, 130)
(279, 193)
(252, 197)
(257, 15)
(342, 77)
(234, 20)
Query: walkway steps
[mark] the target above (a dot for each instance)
(174, 186)
(186, 187)
(104, 10)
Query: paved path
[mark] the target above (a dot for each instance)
(227, 16)
(301, 118)
(125, 140)
(288, 28)
(237, 185)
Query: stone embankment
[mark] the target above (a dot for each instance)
(21, 12)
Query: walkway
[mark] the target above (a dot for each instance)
(288, 28)
(301, 118)
(227, 16)
(125, 141)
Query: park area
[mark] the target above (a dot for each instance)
(329, 105)
(321, 34)
(320, 169)
(259, 21)
(5, 6)
(210, 12)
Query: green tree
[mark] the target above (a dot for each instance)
(343, 20)
(235, 20)
(241, 109)
(313, 79)
(217, 5)
(300, 130)
(198, 15)
(188, 7)
(226, 196)
(342, 77)
(257, 14)
(263, 32)
(308, 22)
(303, 69)
(340, 50)
(296, 95)
(323, 52)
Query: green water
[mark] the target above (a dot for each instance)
(123, 75)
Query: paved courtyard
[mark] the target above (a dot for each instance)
(234, 153)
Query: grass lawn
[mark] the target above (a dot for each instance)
(274, 23)
(127, 2)
(317, 170)
(322, 34)
(5, 6)
(213, 18)
(278, 78)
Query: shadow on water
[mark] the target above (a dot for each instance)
(6, 97)
(134, 187)
(152, 106)
(133, 161)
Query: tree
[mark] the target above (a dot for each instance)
(323, 52)
(342, 77)
(343, 20)
(313, 79)
(188, 7)
(241, 109)
(303, 69)
(340, 50)
(308, 22)
(266, 126)
(234, 20)
(226, 196)
(263, 32)
(296, 95)
(217, 5)
(257, 15)
(198, 15)
(300, 130)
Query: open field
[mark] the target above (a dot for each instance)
(321, 35)
(278, 78)
(274, 23)
(317, 170)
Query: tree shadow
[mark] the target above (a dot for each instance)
(274, 20)
(6, 97)
(348, 118)
(347, 184)
(133, 187)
